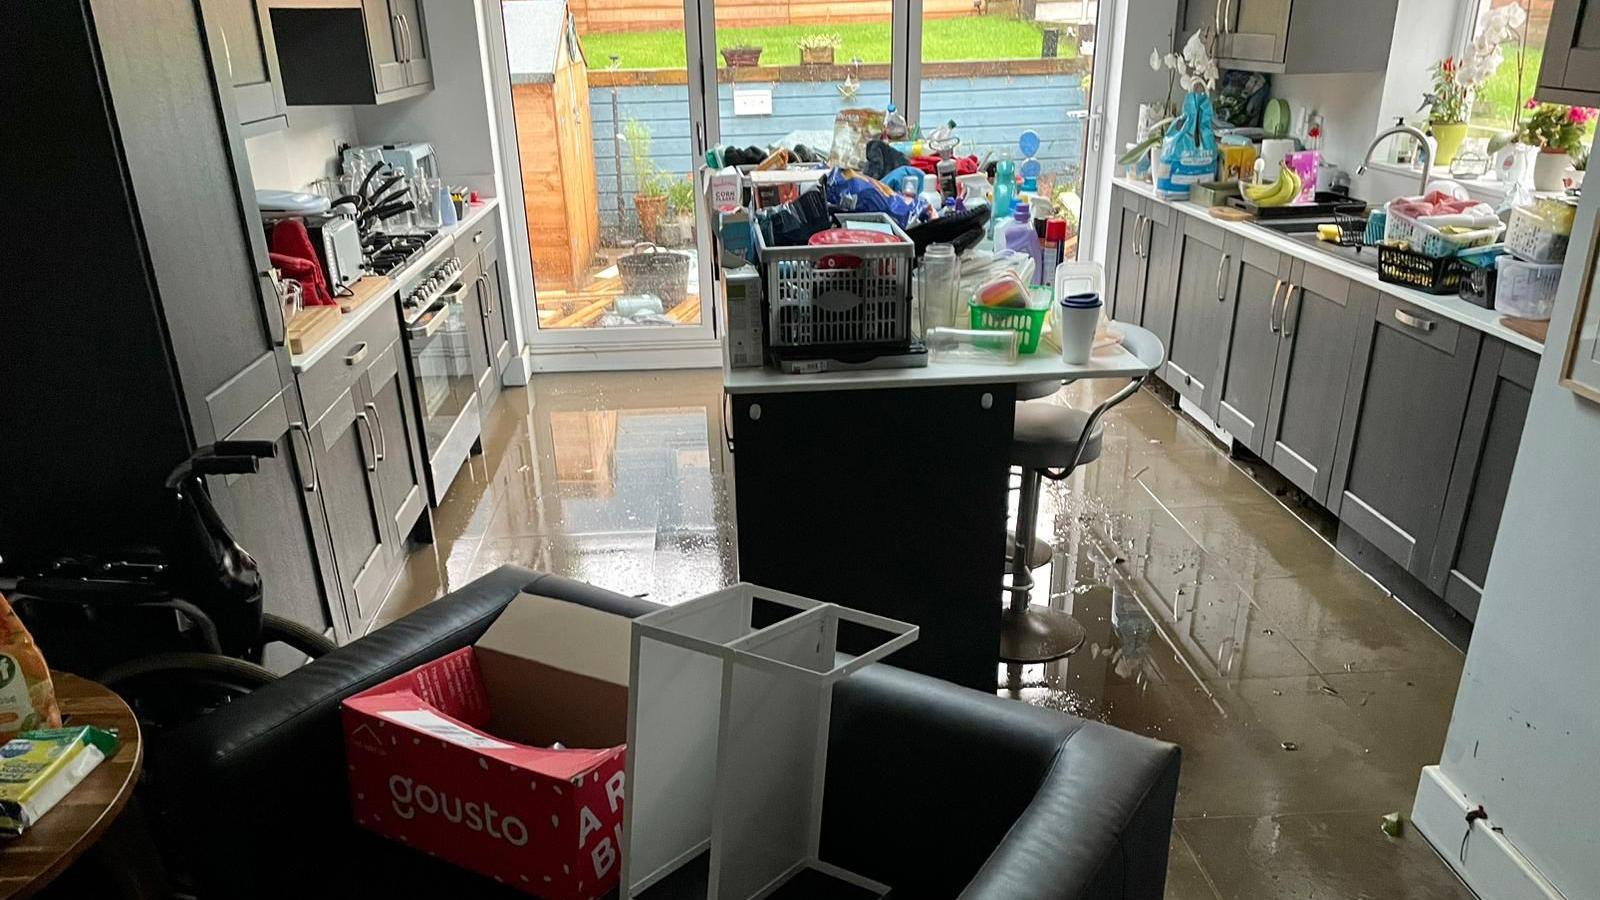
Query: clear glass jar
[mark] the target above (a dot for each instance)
(939, 288)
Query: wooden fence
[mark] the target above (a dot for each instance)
(595, 16)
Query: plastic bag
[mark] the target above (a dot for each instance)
(27, 695)
(850, 191)
(1189, 150)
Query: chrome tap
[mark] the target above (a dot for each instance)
(1422, 148)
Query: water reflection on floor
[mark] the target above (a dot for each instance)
(1305, 699)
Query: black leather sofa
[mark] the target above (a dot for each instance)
(937, 790)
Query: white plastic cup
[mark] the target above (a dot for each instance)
(1077, 320)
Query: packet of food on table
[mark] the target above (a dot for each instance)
(27, 696)
(38, 768)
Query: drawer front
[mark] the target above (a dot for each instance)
(1430, 328)
(472, 241)
(335, 373)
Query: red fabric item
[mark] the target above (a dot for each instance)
(965, 165)
(291, 241)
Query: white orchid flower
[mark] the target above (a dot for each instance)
(1155, 60)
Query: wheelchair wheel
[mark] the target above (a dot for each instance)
(276, 629)
(168, 689)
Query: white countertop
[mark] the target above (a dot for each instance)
(1449, 306)
(352, 320)
(1113, 362)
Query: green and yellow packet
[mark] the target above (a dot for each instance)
(38, 768)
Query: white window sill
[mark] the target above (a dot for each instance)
(1488, 189)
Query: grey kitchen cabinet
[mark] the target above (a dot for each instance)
(1319, 319)
(1138, 268)
(352, 52)
(1570, 70)
(1293, 36)
(1204, 312)
(1403, 414)
(276, 514)
(1481, 475)
(1257, 285)
(477, 339)
(344, 446)
(251, 62)
(485, 279)
(386, 398)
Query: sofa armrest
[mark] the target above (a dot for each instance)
(261, 780)
(931, 786)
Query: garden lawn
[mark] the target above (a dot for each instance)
(943, 40)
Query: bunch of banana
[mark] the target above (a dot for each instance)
(1278, 193)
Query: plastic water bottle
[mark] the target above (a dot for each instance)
(894, 124)
(939, 288)
(1020, 235)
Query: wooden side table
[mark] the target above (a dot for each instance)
(32, 861)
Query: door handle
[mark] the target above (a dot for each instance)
(1288, 296)
(399, 37)
(1216, 16)
(1222, 269)
(487, 302)
(1149, 232)
(356, 354)
(282, 335)
(300, 429)
(1138, 234)
(383, 437)
(411, 48)
(1272, 311)
(1411, 321)
(227, 55)
(1227, 15)
(372, 441)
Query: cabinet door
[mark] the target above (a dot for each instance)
(414, 41)
(1162, 227)
(477, 338)
(1321, 315)
(1258, 283)
(1194, 360)
(1402, 417)
(1481, 475)
(1255, 30)
(399, 454)
(276, 514)
(343, 443)
(1125, 264)
(251, 60)
(385, 45)
(1197, 14)
(494, 314)
(1572, 52)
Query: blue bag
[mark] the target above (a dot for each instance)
(1189, 150)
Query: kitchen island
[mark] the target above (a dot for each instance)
(886, 491)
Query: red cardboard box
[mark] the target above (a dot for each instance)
(453, 759)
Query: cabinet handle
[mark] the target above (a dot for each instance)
(1227, 15)
(311, 452)
(1410, 321)
(405, 24)
(1216, 16)
(487, 296)
(1149, 232)
(1222, 269)
(1272, 311)
(1287, 296)
(477, 238)
(356, 354)
(383, 437)
(227, 55)
(399, 37)
(281, 336)
(372, 441)
(1138, 234)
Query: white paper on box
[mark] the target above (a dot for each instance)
(443, 729)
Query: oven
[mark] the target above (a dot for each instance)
(443, 382)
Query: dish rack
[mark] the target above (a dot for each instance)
(1430, 241)
(1433, 274)
(839, 295)
(1352, 229)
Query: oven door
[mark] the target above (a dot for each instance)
(441, 367)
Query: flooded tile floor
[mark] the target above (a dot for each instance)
(1306, 699)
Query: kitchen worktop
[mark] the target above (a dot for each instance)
(1449, 306)
(1044, 365)
(437, 248)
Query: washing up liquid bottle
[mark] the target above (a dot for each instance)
(1005, 193)
(1019, 234)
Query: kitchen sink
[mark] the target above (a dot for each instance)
(1361, 256)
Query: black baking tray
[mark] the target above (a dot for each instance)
(1324, 203)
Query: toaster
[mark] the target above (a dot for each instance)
(338, 245)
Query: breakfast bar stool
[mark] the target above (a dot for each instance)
(1051, 441)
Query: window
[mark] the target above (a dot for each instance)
(1498, 104)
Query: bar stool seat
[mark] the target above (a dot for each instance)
(1045, 436)
(1034, 390)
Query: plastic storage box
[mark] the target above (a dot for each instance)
(1525, 289)
(1430, 241)
(1535, 238)
(839, 294)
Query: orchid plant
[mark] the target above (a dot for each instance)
(1455, 78)
(1192, 70)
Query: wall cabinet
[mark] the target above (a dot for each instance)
(1204, 311)
(360, 52)
(1481, 474)
(1570, 70)
(1139, 265)
(1403, 416)
(1292, 36)
(250, 59)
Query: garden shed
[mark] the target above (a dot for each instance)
(555, 139)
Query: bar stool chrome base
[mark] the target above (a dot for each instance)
(1038, 634)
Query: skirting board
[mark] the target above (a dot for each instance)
(617, 358)
(1493, 866)
(1204, 421)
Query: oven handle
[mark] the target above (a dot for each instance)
(435, 321)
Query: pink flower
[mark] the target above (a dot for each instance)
(1531, 104)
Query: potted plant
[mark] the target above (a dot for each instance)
(1580, 162)
(817, 49)
(650, 193)
(1557, 130)
(677, 230)
(741, 55)
(1455, 79)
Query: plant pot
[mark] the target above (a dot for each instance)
(742, 57)
(1448, 135)
(650, 210)
(813, 56)
(1549, 168)
(1573, 178)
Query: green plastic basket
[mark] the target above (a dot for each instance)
(1027, 322)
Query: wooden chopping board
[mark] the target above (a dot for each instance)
(1537, 329)
(361, 290)
(311, 326)
(1229, 214)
